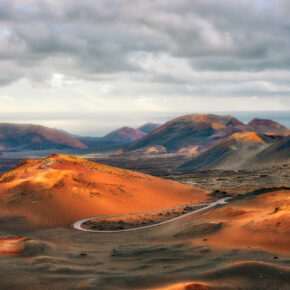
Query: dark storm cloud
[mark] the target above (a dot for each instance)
(88, 38)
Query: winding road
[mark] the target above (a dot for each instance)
(78, 225)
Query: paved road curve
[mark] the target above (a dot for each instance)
(78, 225)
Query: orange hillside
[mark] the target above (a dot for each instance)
(261, 222)
(61, 189)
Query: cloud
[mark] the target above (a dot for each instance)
(100, 51)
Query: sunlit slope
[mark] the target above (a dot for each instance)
(61, 189)
(260, 222)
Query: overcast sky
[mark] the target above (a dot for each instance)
(64, 62)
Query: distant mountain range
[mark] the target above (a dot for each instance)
(210, 141)
(200, 131)
(21, 137)
(220, 142)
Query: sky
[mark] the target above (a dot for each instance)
(92, 66)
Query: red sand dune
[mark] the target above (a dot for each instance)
(61, 189)
(262, 222)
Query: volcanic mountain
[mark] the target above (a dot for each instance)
(149, 127)
(264, 126)
(124, 135)
(33, 137)
(228, 153)
(61, 189)
(191, 131)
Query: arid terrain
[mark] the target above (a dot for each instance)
(237, 181)
(200, 202)
(243, 244)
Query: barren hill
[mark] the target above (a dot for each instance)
(190, 131)
(61, 189)
(124, 135)
(34, 137)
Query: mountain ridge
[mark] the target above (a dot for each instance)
(27, 136)
(194, 130)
